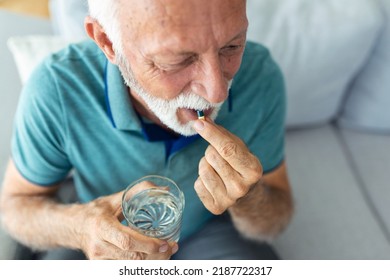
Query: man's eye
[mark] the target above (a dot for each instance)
(176, 66)
(231, 49)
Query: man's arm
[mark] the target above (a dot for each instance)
(230, 178)
(31, 215)
(266, 209)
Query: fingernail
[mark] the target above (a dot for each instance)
(198, 125)
(175, 248)
(163, 248)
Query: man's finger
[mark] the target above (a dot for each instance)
(204, 195)
(212, 181)
(164, 256)
(111, 252)
(125, 238)
(212, 133)
(229, 146)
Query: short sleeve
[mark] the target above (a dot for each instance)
(38, 141)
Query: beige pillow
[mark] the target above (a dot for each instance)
(29, 51)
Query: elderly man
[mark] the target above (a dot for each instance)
(124, 105)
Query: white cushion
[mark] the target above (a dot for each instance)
(368, 103)
(29, 51)
(320, 46)
(67, 17)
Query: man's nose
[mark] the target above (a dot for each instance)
(210, 81)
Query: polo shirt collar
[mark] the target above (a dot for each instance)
(119, 107)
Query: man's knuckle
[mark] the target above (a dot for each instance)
(217, 210)
(257, 174)
(198, 186)
(210, 152)
(136, 256)
(231, 201)
(213, 158)
(139, 256)
(203, 167)
(218, 206)
(256, 171)
(208, 176)
(125, 241)
(228, 149)
(240, 189)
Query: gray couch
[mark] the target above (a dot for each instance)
(338, 162)
(336, 60)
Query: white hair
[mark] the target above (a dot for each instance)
(105, 12)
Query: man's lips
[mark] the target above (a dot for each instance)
(186, 115)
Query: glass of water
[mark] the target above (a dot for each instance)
(153, 206)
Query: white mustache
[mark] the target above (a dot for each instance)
(184, 100)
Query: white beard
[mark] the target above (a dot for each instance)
(166, 110)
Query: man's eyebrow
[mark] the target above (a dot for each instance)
(185, 54)
(239, 35)
(172, 54)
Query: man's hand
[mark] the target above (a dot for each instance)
(104, 237)
(227, 171)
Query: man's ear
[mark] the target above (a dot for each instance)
(96, 32)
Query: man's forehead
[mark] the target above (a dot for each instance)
(177, 12)
(169, 23)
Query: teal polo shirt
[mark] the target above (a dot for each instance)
(75, 114)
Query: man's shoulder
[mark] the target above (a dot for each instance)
(256, 57)
(77, 51)
(78, 68)
(257, 66)
(82, 55)
(255, 49)
(75, 61)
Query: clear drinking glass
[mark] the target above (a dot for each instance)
(153, 206)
